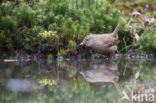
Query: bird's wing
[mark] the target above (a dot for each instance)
(113, 43)
(109, 41)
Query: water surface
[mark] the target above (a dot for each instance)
(82, 81)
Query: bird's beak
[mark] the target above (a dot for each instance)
(81, 44)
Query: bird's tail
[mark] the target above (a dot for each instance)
(115, 32)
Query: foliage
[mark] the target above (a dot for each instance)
(148, 41)
(50, 38)
(23, 23)
(72, 46)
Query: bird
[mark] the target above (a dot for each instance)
(102, 43)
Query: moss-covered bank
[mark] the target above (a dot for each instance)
(58, 26)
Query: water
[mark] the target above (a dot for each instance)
(82, 81)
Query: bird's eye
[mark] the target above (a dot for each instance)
(88, 39)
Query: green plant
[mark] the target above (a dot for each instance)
(147, 41)
(50, 38)
(26, 15)
(72, 45)
(69, 29)
(22, 22)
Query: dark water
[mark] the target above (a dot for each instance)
(83, 81)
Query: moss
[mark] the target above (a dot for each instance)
(72, 46)
(23, 24)
(50, 38)
(147, 41)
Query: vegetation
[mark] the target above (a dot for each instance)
(58, 26)
(148, 41)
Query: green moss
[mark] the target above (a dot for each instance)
(50, 38)
(148, 41)
(72, 46)
(22, 23)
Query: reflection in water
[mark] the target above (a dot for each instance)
(20, 85)
(60, 82)
(104, 72)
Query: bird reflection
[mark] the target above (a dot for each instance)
(104, 72)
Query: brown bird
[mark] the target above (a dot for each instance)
(103, 43)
